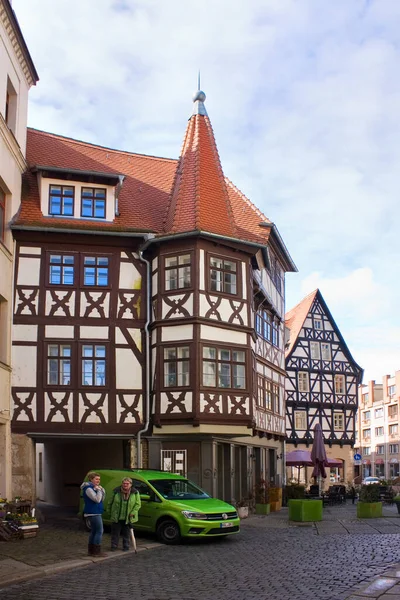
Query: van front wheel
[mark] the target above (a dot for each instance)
(168, 532)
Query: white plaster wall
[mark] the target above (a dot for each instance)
(90, 333)
(128, 370)
(24, 366)
(28, 271)
(202, 285)
(135, 334)
(219, 334)
(177, 333)
(27, 333)
(129, 277)
(59, 331)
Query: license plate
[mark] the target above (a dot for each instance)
(223, 525)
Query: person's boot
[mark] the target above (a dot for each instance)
(91, 550)
(98, 553)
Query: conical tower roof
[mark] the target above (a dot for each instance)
(199, 198)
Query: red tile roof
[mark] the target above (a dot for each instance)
(294, 319)
(159, 195)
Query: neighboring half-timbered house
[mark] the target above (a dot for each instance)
(322, 379)
(149, 323)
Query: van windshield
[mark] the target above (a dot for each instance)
(178, 489)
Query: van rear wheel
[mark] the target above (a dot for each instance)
(168, 532)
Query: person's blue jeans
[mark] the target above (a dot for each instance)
(96, 531)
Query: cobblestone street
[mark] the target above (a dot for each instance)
(268, 560)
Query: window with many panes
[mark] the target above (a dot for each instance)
(61, 269)
(264, 324)
(95, 271)
(300, 419)
(302, 378)
(326, 351)
(93, 202)
(366, 434)
(177, 272)
(223, 368)
(315, 350)
(392, 410)
(275, 398)
(317, 324)
(380, 449)
(93, 359)
(366, 416)
(367, 450)
(338, 421)
(378, 431)
(393, 448)
(394, 469)
(393, 429)
(176, 366)
(264, 392)
(2, 214)
(339, 384)
(223, 276)
(61, 200)
(58, 364)
(275, 332)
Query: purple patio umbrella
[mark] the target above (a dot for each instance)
(318, 454)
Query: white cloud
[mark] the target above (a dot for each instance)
(305, 102)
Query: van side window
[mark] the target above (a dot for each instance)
(142, 487)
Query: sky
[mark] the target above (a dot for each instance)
(304, 99)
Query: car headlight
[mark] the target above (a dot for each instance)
(194, 515)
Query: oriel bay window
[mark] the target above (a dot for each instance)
(176, 366)
(61, 200)
(177, 272)
(95, 271)
(61, 270)
(223, 368)
(58, 364)
(223, 276)
(93, 360)
(93, 202)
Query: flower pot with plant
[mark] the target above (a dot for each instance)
(369, 505)
(261, 493)
(243, 508)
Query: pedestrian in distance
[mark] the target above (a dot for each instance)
(353, 494)
(123, 508)
(93, 496)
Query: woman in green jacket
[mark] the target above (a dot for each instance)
(123, 507)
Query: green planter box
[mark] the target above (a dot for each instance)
(369, 510)
(262, 509)
(305, 510)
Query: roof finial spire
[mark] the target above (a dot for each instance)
(199, 99)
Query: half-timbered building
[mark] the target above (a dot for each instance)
(149, 317)
(322, 380)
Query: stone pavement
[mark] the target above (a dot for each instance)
(340, 558)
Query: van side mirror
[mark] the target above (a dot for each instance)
(145, 497)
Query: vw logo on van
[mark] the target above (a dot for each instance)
(224, 516)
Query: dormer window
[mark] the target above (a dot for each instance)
(61, 200)
(93, 203)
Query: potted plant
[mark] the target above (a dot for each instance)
(369, 505)
(261, 493)
(243, 508)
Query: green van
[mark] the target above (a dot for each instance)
(172, 506)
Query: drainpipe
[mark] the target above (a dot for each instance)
(147, 365)
(117, 191)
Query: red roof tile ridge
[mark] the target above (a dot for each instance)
(294, 319)
(247, 201)
(290, 313)
(83, 143)
(221, 175)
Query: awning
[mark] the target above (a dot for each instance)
(379, 461)
(366, 461)
(393, 461)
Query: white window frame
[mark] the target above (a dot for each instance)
(340, 384)
(338, 421)
(325, 351)
(300, 420)
(315, 351)
(303, 381)
(318, 324)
